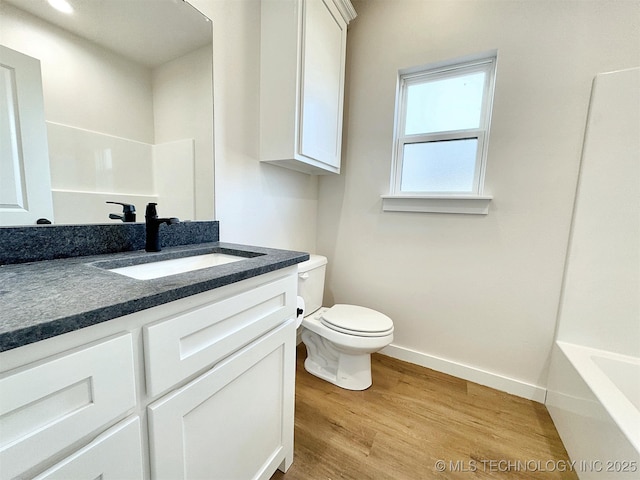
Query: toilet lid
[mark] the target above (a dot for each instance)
(355, 320)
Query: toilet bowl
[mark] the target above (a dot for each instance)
(340, 339)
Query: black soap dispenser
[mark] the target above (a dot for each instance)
(152, 243)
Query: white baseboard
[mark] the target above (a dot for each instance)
(469, 373)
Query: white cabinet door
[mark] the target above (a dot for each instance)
(48, 407)
(323, 62)
(25, 183)
(114, 455)
(234, 422)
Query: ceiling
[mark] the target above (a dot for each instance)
(150, 32)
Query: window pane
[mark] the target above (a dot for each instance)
(446, 104)
(446, 166)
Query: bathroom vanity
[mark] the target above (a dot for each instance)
(188, 375)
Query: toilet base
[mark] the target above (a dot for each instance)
(351, 371)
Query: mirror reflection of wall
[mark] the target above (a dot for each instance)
(120, 128)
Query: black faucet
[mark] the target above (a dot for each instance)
(128, 212)
(153, 227)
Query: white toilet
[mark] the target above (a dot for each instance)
(340, 339)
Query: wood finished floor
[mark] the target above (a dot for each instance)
(412, 417)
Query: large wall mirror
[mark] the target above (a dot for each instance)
(128, 107)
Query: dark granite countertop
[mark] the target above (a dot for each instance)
(43, 299)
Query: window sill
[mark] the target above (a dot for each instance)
(464, 204)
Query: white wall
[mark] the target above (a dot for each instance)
(255, 203)
(476, 296)
(84, 85)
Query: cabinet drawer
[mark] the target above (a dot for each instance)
(115, 454)
(180, 346)
(48, 406)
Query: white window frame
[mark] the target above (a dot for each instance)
(475, 201)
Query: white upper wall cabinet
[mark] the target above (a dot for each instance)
(302, 63)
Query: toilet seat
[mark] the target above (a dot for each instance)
(357, 321)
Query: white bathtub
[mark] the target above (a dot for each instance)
(593, 397)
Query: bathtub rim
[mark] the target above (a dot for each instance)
(625, 415)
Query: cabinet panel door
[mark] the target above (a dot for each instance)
(234, 422)
(183, 345)
(324, 41)
(114, 455)
(48, 406)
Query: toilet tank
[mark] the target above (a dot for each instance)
(311, 282)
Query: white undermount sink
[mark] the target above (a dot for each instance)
(164, 268)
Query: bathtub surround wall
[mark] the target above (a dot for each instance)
(84, 160)
(90, 168)
(48, 242)
(600, 305)
(594, 378)
(475, 296)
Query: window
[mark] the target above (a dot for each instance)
(441, 134)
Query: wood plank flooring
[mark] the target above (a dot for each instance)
(414, 423)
